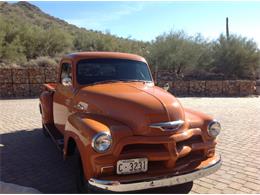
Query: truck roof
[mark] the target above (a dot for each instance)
(97, 54)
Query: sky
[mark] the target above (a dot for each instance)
(146, 20)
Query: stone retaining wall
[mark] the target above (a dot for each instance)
(19, 82)
(226, 88)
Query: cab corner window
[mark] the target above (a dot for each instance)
(66, 74)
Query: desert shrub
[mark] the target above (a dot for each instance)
(27, 34)
(42, 61)
(189, 56)
(20, 42)
(96, 41)
(14, 52)
(55, 41)
(235, 57)
(10, 44)
(179, 52)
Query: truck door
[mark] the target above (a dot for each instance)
(62, 97)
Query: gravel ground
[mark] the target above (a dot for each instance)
(29, 159)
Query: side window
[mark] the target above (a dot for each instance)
(66, 74)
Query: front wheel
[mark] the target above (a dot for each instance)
(44, 131)
(82, 184)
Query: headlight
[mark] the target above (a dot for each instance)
(101, 142)
(214, 128)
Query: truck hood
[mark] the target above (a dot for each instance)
(137, 105)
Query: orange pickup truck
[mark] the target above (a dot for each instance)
(129, 134)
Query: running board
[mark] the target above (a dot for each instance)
(55, 135)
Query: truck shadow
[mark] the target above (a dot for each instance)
(181, 189)
(30, 159)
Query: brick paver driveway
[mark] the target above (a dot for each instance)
(30, 159)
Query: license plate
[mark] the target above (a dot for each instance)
(130, 166)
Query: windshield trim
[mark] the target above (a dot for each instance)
(113, 81)
(118, 81)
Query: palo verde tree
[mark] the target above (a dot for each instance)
(235, 57)
(178, 52)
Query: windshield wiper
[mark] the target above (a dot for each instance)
(106, 81)
(120, 80)
(145, 81)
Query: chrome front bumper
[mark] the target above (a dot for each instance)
(118, 186)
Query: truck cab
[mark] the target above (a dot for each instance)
(128, 133)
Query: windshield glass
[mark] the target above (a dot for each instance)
(101, 70)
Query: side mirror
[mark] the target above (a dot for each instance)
(166, 86)
(66, 81)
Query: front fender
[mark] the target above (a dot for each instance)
(197, 119)
(200, 120)
(82, 127)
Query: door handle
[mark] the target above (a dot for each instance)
(81, 106)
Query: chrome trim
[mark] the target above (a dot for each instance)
(67, 81)
(81, 106)
(166, 86)
(106, 167)
(172, 125)
(210, 124)
(97, 136)
(117, 186)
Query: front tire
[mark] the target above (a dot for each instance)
(84, 188)
(44, 131)
(82, 183)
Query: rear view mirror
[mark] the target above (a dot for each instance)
(66, 81)
(166, 86)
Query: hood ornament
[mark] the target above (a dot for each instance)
(168, 126)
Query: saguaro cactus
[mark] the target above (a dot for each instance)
(227, 28)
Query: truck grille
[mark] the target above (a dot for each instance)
(176, 152)
(143, 148)
(194, 139)
(193, 157)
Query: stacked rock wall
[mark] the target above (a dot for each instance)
(25, 82)
(226, 88)
(208, 87)
(21, 82)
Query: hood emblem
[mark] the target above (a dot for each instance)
(168, 126)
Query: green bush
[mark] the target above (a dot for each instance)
(233, 58)
(27, 34)
(20, 42)
(179, 52)
(42, 61)
(236, 57)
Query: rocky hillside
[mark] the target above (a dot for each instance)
(28, 33)
(30, 37)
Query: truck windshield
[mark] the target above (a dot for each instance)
(91, 71)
